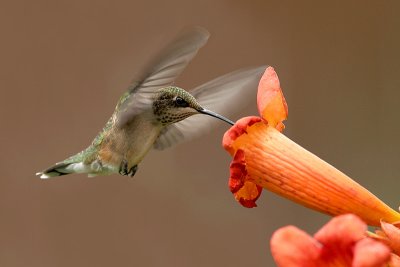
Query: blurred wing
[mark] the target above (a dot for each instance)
(162, 71)
(224, 95)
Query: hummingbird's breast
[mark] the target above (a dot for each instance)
(130, 143)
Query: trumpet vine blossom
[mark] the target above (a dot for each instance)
(263, 158)
(341, 242)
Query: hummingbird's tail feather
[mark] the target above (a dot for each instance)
(73, 164)
(58, 169)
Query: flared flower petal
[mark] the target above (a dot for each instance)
(392, 234)
(245, 192)
(341, 242)
(389, 234)
(271, 103)
(394, 261)
(263, 157)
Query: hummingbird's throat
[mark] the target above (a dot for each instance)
(168, 118)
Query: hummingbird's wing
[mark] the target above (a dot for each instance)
(224, 95)
(161, 72)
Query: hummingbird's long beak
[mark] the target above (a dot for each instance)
(215, 115)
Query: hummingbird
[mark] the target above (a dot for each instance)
(154, 113)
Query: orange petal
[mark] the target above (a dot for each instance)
(237, 130)
(238, 172)
(245, 192)
(342, 230)
(278, 164)
(270, 100)
(393, 236)
(370, 253)
(291, 246)
(394, 261)
(248, 194)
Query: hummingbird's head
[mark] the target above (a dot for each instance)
(173, 104)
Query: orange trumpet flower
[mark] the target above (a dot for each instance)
(264, 158)
(341, 242)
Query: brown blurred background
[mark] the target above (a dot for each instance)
(63, 65)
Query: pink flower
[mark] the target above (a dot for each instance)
(341, 242)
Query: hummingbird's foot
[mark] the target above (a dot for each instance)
(133, 170)
(123, 169)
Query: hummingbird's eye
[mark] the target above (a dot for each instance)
(180, 102)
